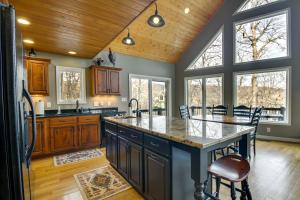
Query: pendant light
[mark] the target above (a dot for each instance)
(156, 20)
(128, 40)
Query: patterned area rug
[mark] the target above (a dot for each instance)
(76, 156)
(100, 183)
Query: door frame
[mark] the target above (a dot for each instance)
(154, 78)
(203, 78)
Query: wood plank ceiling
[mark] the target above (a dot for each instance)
(170, 41)
(86, 27)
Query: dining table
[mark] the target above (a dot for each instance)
(226, 119)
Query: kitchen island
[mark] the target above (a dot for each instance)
(167, 158)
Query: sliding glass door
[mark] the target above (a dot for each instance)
(201, 93)
(153, 94)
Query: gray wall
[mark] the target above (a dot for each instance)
(224, 17)
(130, 64)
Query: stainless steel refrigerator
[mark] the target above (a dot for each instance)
(15, 147)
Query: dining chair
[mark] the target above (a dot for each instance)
(184, 112)
(242, 111)
(219, 110)
(255, 122)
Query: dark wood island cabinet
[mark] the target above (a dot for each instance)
(167, 158)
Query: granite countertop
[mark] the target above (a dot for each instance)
(47, 115)
(195, 133)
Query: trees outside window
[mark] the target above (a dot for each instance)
(212, 55)
(250, 4)
(268, 89)
(262, 38)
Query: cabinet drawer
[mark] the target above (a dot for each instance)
(63, 121)
(111, 127)
(157, 145)
(132, 135)
(88, 119)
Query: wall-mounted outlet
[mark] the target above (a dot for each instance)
(124, 99)
(101, 103)
(48, 104)
(268, 129)
(109, 103)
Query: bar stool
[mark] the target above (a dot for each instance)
(232, 168)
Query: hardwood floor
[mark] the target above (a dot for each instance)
(275, 174)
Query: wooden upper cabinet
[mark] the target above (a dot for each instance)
(37, 74)
(105, 80)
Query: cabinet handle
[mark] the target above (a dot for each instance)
(153, 156)
(133, 136)
(154, 144)
(121, 131)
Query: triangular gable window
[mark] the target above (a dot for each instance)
(211, 55)
(250, 4)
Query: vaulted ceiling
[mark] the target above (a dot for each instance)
(170, 41)
(88, 27)
(83, 26)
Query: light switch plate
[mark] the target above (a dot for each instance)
(48, 104)
(124, 99)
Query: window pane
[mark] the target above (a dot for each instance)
(194, 96)
(214, 92)
(254, 3)
(262, 39)
(212, 55)
(159, 98)
(267, 89)
(140, 91)
(70, 86)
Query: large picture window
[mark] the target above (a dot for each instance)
(262, 38)
(211, 55)
(269, 89)
(201, 93)
(250, 4)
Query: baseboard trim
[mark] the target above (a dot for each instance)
(282, 139)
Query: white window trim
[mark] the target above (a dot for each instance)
(288, 28)
(204, 77)
(60, 69)
(237, 12)
(288, 93)
(153, 78)
(220, 30)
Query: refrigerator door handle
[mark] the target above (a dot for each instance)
(30, 149)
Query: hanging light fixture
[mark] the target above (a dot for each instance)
(156, 20)
(128, 40)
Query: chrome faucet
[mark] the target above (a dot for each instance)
(138, 112)
(77, 105)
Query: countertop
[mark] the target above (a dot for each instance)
(195, 133)
(49, 115)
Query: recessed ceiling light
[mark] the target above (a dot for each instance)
(72, 52)
(28, 41)
(23, 21)
(186, 10)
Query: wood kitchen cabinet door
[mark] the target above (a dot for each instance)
(114, 82)
(105, 80)
(157, 176)
(101, 81)
(112, 148)
(89, 135)
(63, 138)
(37, 75)
(39, 144)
